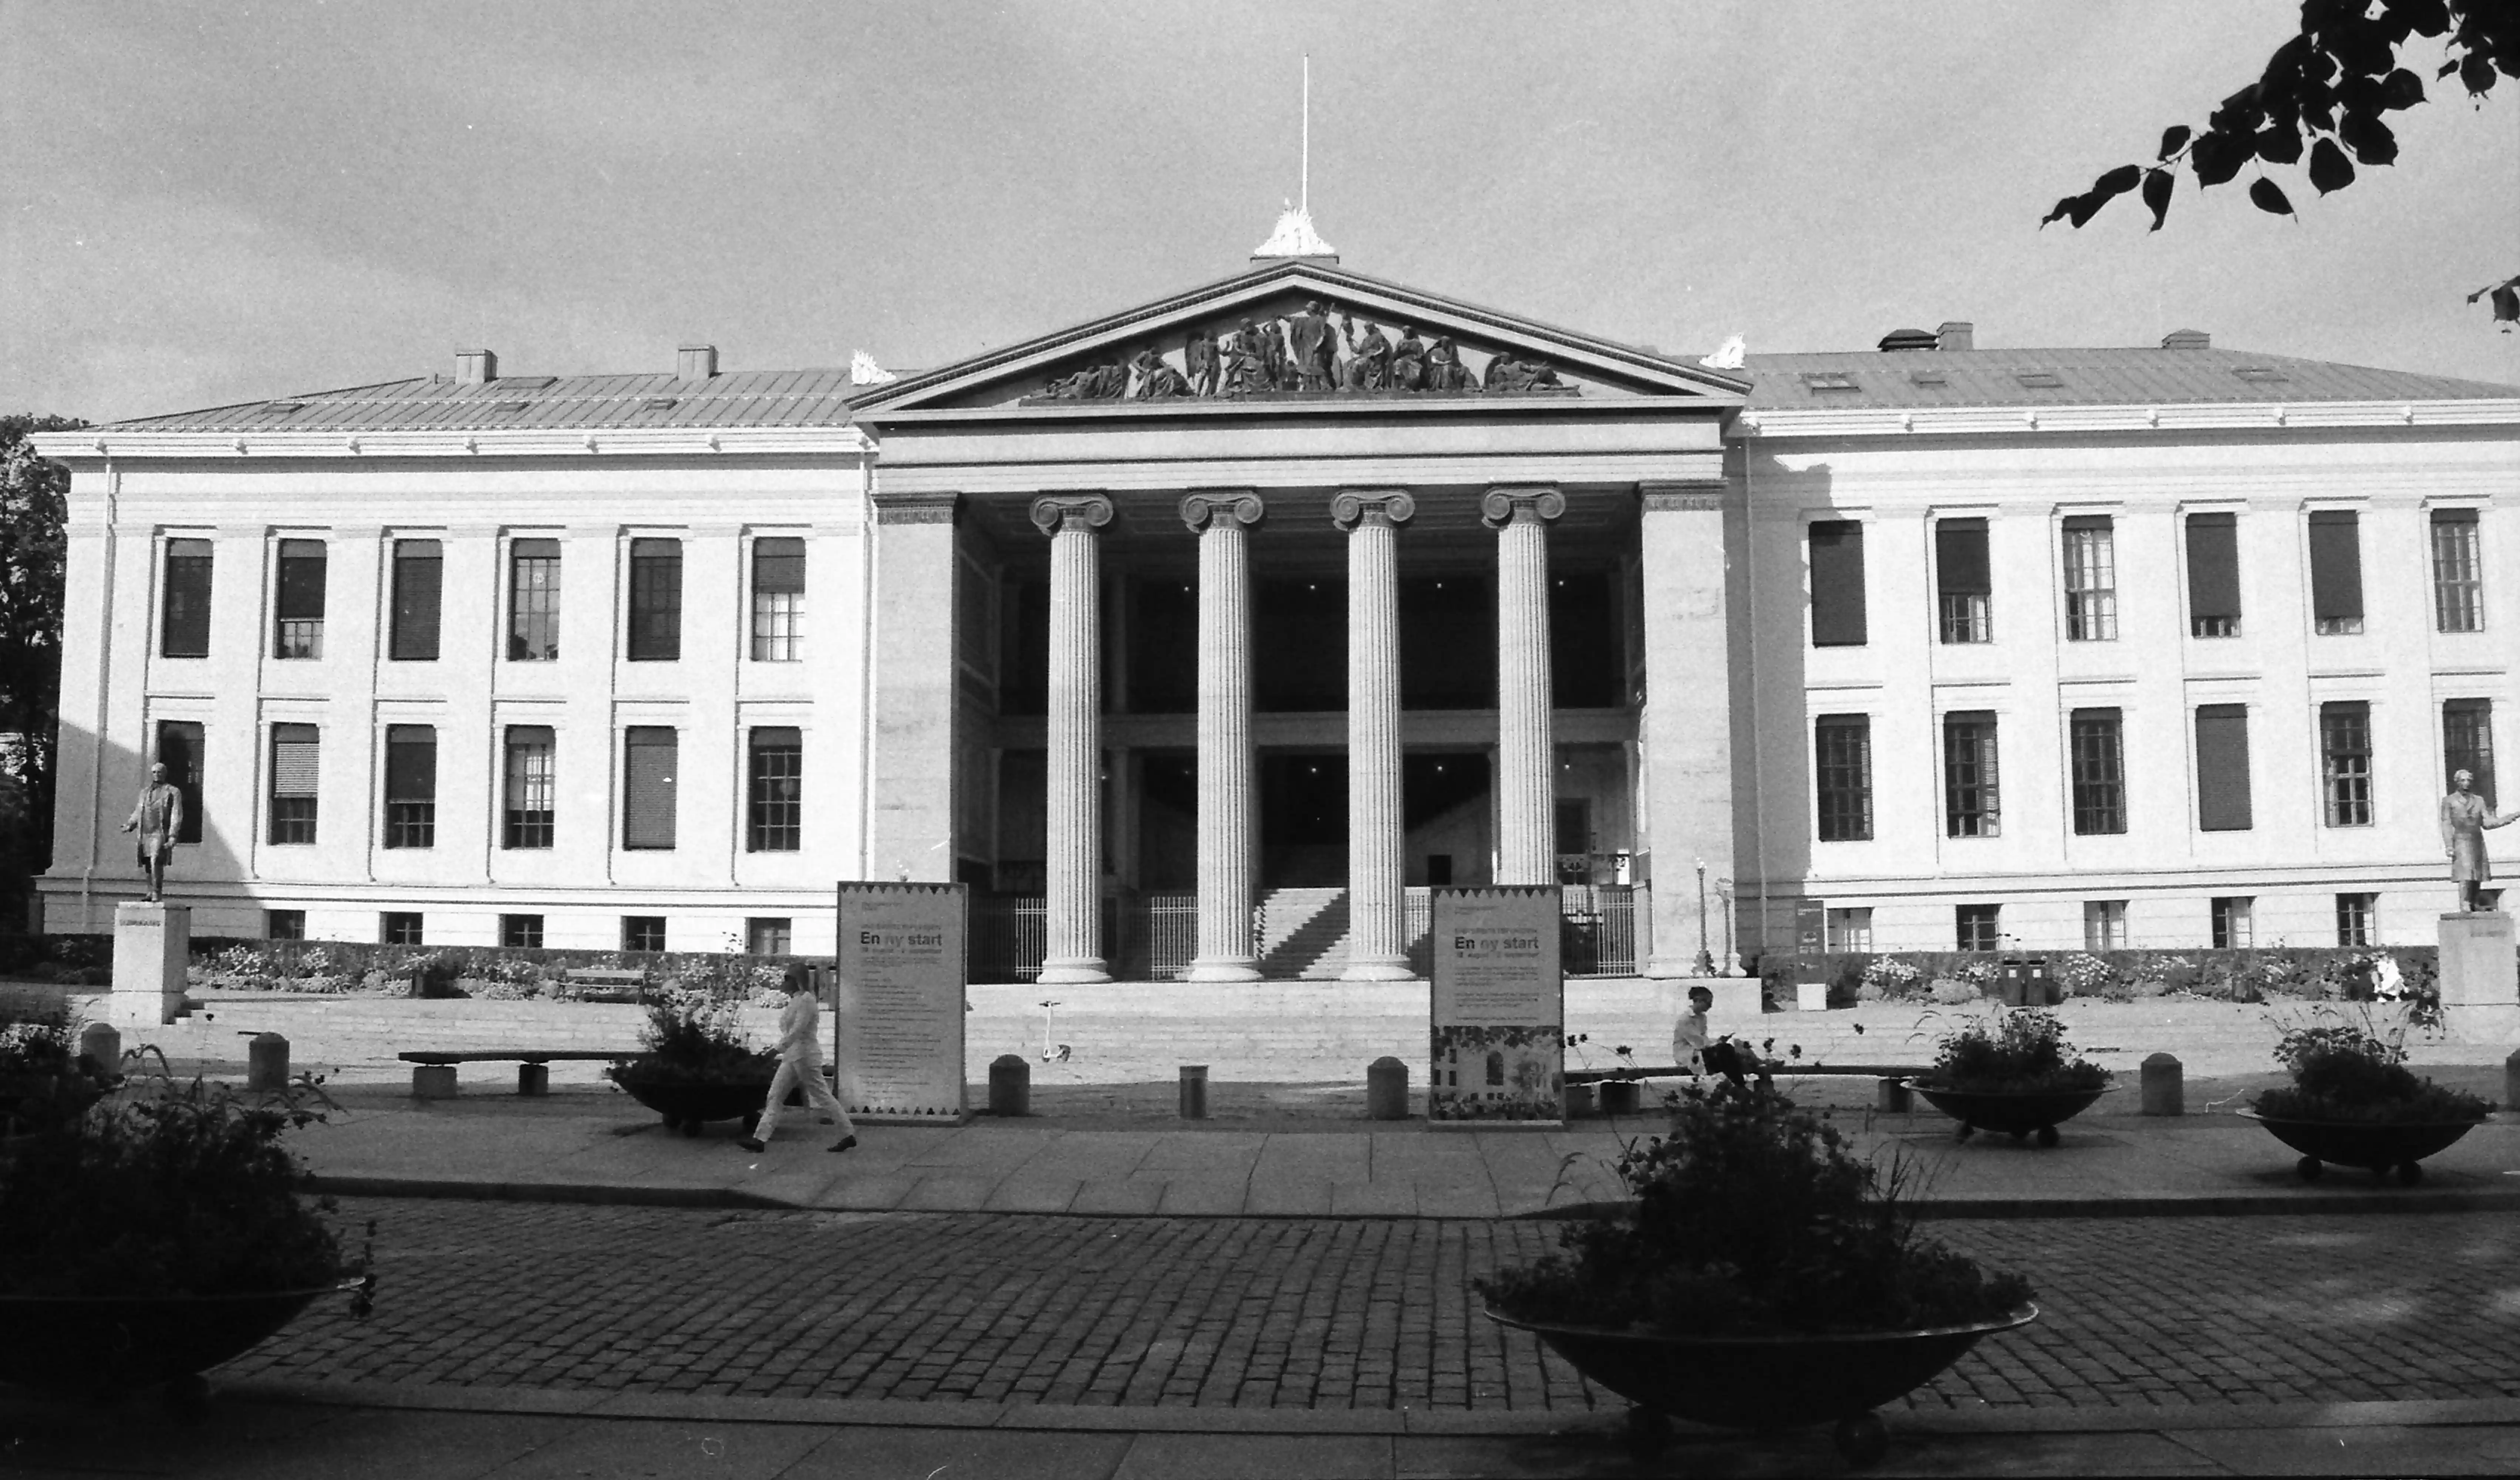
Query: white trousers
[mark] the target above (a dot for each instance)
(817, 1097)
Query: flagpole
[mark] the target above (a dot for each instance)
(1306, 186)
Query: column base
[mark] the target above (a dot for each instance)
(1379, 968)
(1082, 970)
(1670, 968)
(1223, 968)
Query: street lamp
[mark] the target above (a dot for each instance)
(1704, 965)
(1732, 955)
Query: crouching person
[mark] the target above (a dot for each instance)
(800, 1065)
(1695, 1050)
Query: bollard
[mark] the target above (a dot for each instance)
(1891, 1096)
(2165, 1092)
(1387, 1089)
(1010, 1086)
(2511, 1081)
(266, 1058)
(1576, 1101)
(102, 1042)
(1193, 1092)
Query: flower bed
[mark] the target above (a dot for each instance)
(2350, 1072)
(2276, 973)
(2012, 1052)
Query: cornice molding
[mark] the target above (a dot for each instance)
(2025, 421)
(101, 442)
(916, 508)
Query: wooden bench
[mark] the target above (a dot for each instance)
(610, 983)
(432, 1076)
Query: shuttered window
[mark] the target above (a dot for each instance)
(179, 749)
(528, 787)
(2223, 803)
(1837, 583)
(2458, 572)
(2345, 762)
(2214, 576)
(1842, 765)
(776, 801)
(647, 775)
(298, 604)
(2467, 743)
(184, 614)
(2336, 571)
(533, 601)
(2091, 579)
(1970, 800)
(655, 600)
(1963, 584)
(411, 787)
(417, 581)
(778, 599)
(296, 762)
(2097, 741)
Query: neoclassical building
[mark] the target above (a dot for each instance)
(1201, 640)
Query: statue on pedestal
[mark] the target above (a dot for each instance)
(2464, 816)
(158, 816)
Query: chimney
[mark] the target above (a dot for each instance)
(475, 367)
(695, 362)
(2188, 338)
(1957, 334)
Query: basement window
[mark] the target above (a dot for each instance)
(2040, 379)
(1827, 380)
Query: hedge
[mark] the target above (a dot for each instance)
(2252, 974)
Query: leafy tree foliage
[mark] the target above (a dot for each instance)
(2326, 94)
(33, 502)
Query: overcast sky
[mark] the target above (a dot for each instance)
(212, 202)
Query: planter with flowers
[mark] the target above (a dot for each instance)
(696, 1063)
(2353, 1101)
(2012, 1072)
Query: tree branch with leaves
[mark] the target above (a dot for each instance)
(34, 495)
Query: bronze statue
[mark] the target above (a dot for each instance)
(1199, 357)
(1371, 367)
(158, 816)
(1315, 344)
(1157, 381)
(1408, 361)
(2464, 816)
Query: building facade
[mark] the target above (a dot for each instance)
(1203, 639)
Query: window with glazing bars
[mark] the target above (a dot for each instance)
(295, 767)
(2104, 925)
(297, 608)
(533, 601)
(2458, 572)
(183, 616)
(2231, 925)
(655, 600)
(418, 571)
(770, 935)
(2091, 579)
(1978, 927)
(777, 796)
(2354, 914)
(1842, 752)
(642, 932)
(2467, 743)
(778, 599)
(529, 789)
(2345, 755)
(521, 932)
(1965, 583)
(2097, 740)
(396, 927)
(1970, 801)
(411, 787)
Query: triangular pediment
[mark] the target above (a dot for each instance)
(1297, 335)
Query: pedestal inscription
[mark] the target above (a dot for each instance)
(152, 943)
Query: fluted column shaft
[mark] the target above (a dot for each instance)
(1074, 868)
(1226, 759)
(1527, 758)
(1378, 901)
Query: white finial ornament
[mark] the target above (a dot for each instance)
(864, 370)
(1295, 236)
(1728, 357)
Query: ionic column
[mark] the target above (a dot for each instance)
(1378, 902)
(1526, 789)
(1225, 762)
(1074, 868)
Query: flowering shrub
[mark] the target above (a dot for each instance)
(2014, 1051)
(695, 1036)
(2086, 975)
(1887, 978)
(2343, 1069)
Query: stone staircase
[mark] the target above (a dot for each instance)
(1303, 935)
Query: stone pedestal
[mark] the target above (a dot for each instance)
(152, 943)
(2480, 977)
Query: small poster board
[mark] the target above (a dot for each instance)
(1811, 928)
(1499, 1007)
(900, 1001)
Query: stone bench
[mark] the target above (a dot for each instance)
(1890, 1094)
(625, 984)
(432, 1076)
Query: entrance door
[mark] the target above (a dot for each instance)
(1303, 819)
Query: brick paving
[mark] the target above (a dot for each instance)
(1339, 1314)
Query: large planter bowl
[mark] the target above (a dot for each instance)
(2018, 1113)
(104, 1344)
(1764, 1383)
(687, 1105)
(2381, 1146)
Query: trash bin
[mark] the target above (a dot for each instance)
(2026, 982)
(2040, 989)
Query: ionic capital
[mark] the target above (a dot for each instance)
(1500, 507)
(1239, 505)
(1088, 511)
(1371, 506)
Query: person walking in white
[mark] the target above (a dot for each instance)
(800, 1066)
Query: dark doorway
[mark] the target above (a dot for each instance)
(1299, 652)
(1023, 648)
(1168, 822)
(1303, 820)
(1163, 647)
(1444, 812)
(1586, 658)
(1448, 643)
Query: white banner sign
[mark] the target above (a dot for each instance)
(900, 1008)
(1499, 1006)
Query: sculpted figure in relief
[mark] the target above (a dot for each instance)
(1315, 347)
(1198, 355)
(1370, 369)
(1157, 381)
(1408, 361)
(1444, 368)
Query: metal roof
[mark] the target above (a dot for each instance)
(2082, 377)
(755, 398)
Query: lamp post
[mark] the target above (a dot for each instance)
(1704, 965)
(1732, 956)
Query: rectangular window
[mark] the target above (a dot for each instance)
(1851, 928)
(1837, 583)
(1962, 580)
(179, 749)
(2336, 571)
(298, 611)
(774, 803)
(284, 924)
(294, 761)
(2345, 757)
(778, 599)
(2104, 924)
(419, 579)
(648, 770)
(1842, 762)
(2357, 919)
(655, 600)
(2214, 576)
(529, 787)
(2231, 928)
(411, 787)
(1978, 927)
(2467, 744)
(642, 932)
(2223, 802)
(1970, 803)
(396, 927)
(767, 936)
(533, 601)
(183, 616)
(2091, 579)
(2458, 572)
(521, 932)
(2098, 738)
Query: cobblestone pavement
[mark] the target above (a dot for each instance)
(1340, 1313)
